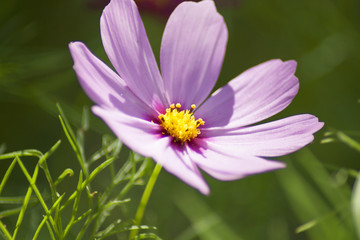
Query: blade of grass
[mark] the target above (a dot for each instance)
(144, 199)
(26, 199)
(12, 200)
(84, 215)
(81, 131)
(89, 218)
(348, 140)
(135, 176)
(23, 153)
(88, 180)
(355, 205)
(43, 165)
(5, 231)
(10, 212)
(75, 205)
(7, 175)
(148, 236)
(45, 218)
(73, 141)
(33, 186)
(50, 230)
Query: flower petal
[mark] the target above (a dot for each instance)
(226, 166)
(271, 139)
(177, 162)
(127, 46)
(253, 96)
(192, 51)
(103, 85)
(146, 139)
(138, 134)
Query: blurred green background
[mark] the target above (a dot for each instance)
(323, 36)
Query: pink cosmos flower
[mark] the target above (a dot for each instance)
(170, 117)
(161, 8)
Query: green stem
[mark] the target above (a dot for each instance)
(144, 200)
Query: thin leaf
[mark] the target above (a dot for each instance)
(73, 141)
(75, 206)
(84, 215)
(7, 175)
(10, 212)
(66, 173)
(148, 236)
(23, 153)
(42, 163)
(33, 187)
(348, 140)
(5, 231)
(88, 180)
(113, 147)
(306, 226)
(13, 200)
(45, 218)
(355, 205)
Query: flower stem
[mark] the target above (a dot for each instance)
(144, 200)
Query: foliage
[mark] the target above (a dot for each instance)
(99, 220)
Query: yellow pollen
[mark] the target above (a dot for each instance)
(181, 125)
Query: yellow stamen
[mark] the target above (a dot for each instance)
(181, 125)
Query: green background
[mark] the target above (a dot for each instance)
(323, 36)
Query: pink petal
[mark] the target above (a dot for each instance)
(104, 86)
(177, 162)
(271, 139)
(225, 166)
(253, 96)
(138, 134)
(145, 138)
(127, 46)
(192, 52)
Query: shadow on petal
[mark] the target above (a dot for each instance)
(126, 105)
(222, 102)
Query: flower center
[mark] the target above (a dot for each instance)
(181, 125)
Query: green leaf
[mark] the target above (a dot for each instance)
(88, 180)
(66, 173)
(33, 187)
(348, 141)
(45, 219)
(75, 205)
(7, 175)
(23, 153)
(14, 200)
(355, 205)
(114, 148)
(148, 236)
(5, 231)
(73, 141)
(10, 212)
